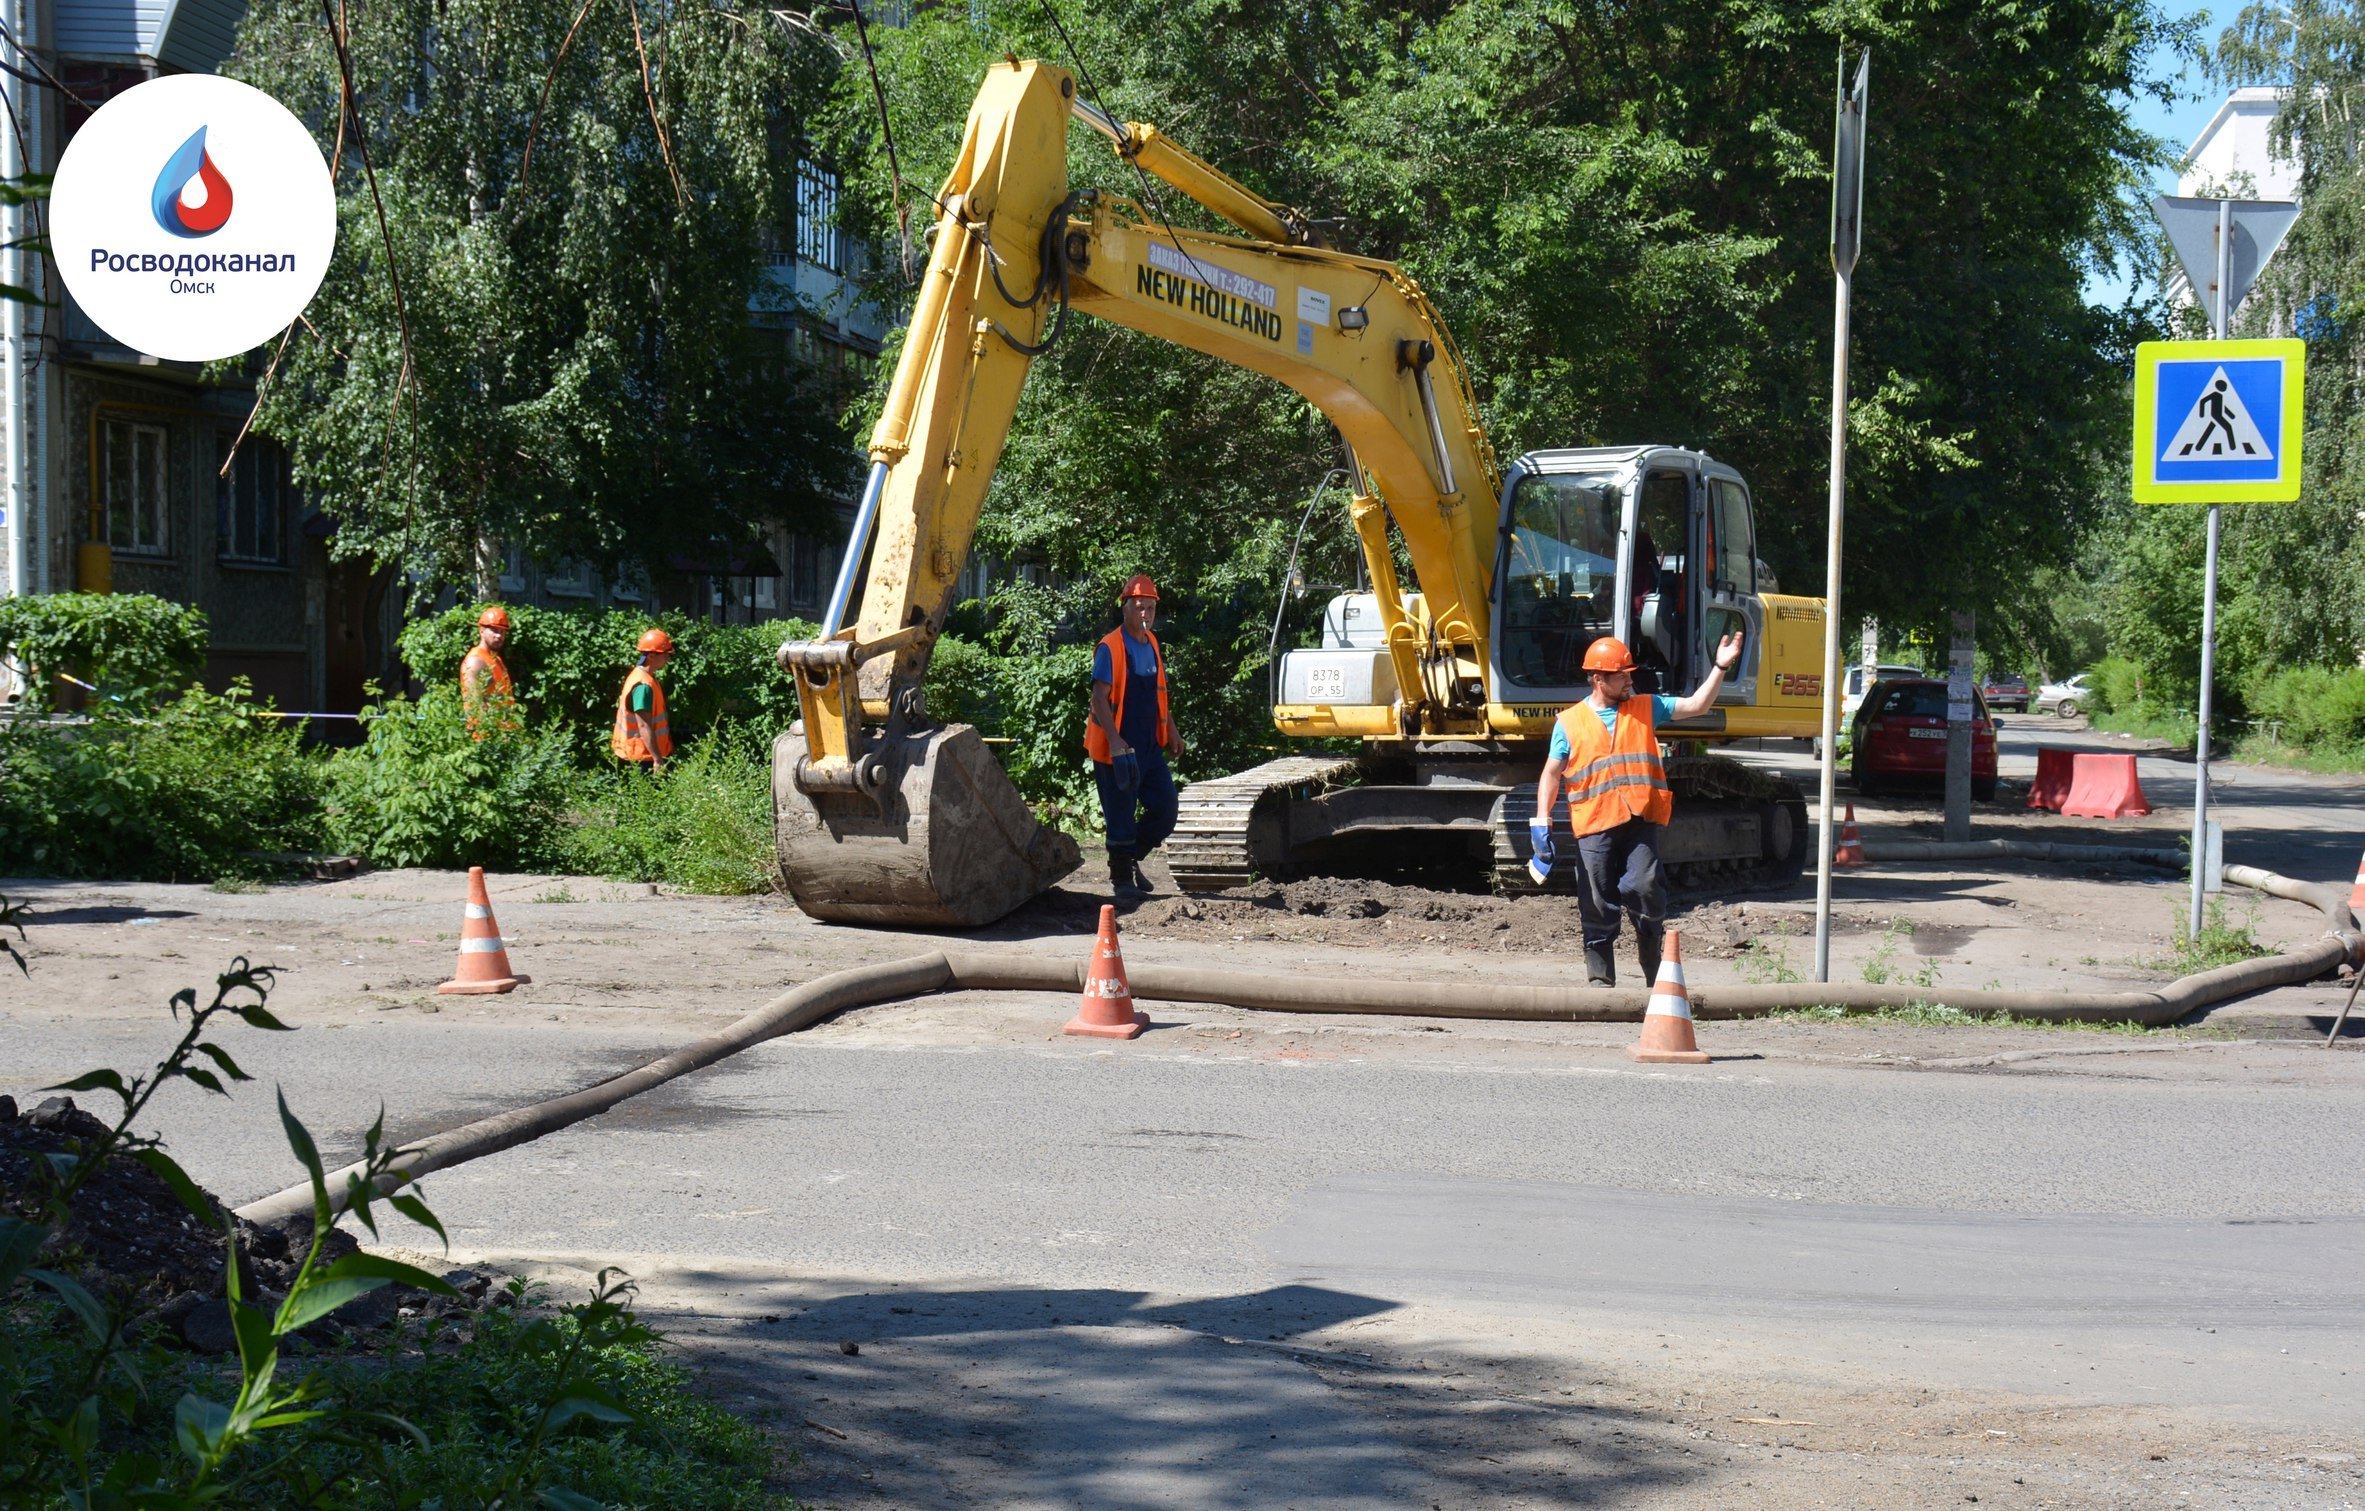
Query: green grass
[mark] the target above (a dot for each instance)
(560, 893)
(1938, 1015)
(2221, 941)
(2324, 760)
(466, 1390)
(236, 884)
(2148, 723)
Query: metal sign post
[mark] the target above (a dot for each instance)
(2224, 244)
(1847, 239)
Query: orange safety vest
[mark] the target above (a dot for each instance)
(481, 666)
(1612, 778)
(627, 743)
(1096, 739)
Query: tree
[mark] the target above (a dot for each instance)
(537, 324)
(2306, 561)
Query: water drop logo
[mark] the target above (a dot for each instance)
(191, 162)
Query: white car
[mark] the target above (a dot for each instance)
(2067, 699)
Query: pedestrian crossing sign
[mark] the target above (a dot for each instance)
(2218, 422)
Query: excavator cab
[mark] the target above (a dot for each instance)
(1651, 544)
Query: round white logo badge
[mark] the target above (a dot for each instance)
(192, 217)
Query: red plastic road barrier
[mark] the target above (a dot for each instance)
(2051, 788)
(1107, 1010)
(2104, 786)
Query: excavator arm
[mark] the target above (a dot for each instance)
(869, 819)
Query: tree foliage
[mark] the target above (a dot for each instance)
(537, 325)
(1621, 210)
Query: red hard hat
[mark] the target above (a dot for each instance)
(656, 642)
(1609, 654)
(1139, 586)
(494, 618)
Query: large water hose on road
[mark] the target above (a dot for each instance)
(918, 975)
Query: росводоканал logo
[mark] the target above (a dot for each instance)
(160, 250)
(170, 199)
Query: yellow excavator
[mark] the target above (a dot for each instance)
(1450, 685)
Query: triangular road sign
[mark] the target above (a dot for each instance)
(2259, 227)
(2218, 425)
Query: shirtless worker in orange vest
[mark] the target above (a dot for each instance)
(1607, 751)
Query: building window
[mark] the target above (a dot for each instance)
(250, 500)
(819, 241)
(134, 471)
(803, 572)
(513, 569)
(571, 578)
(625, 586)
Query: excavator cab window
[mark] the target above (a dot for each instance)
(1559, 575)
(1662, 596)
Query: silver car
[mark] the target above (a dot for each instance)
(2067, 698)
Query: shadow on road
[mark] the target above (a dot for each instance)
(1041, 1397)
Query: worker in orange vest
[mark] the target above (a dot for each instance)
(1128, 735)
(642, 735)
(1606, 749)
(484, 679)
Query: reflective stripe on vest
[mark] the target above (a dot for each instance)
(1096, 739)
(1612, 778)
(626, 741)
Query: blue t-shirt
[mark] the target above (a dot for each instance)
(1137, 721)
(1662, 710)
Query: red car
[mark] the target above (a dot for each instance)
(1900, 735)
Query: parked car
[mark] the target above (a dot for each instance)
(2067, 699)
(1900, 735)
(1861, 678)
(2007, 693)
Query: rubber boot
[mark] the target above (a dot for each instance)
(1125, 878)
(1600, 968)
(1647, 945)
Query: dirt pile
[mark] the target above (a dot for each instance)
(129, 1240)
(1377, 914)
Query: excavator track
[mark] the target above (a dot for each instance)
(1714, 796)
(1231, 828)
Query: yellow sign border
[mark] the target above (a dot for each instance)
(2283, 490)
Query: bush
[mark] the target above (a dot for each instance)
(2320, 708)
(131, 646)
(2114, 686)
(705, 825)
(200, 789)
(421, 790)
(569, 664)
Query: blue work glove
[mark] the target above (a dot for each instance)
(1539, 841)
(1127, 770)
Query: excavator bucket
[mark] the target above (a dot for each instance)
(942, 840)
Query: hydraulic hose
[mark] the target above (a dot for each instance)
(826, 996)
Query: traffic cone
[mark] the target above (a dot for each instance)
(1851, 844)
(1107, 1010)
(1667, 1022)
(484, 956)
(2357, 892)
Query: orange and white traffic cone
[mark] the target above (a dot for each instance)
(1851, 844)
(1107, 1011)
(484, 955)
(2357, 892)
(1667, 1021)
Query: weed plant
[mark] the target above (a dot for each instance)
(201, 787)
(571, 1412)
(2221, 941)
(1926, 1014)
(704, 824)
(424, 790)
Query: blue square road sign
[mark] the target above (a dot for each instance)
(2218, 422)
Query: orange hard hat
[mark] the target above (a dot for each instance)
(1609, 654)
(656, 642)
(1139, 586)
(494, 618)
